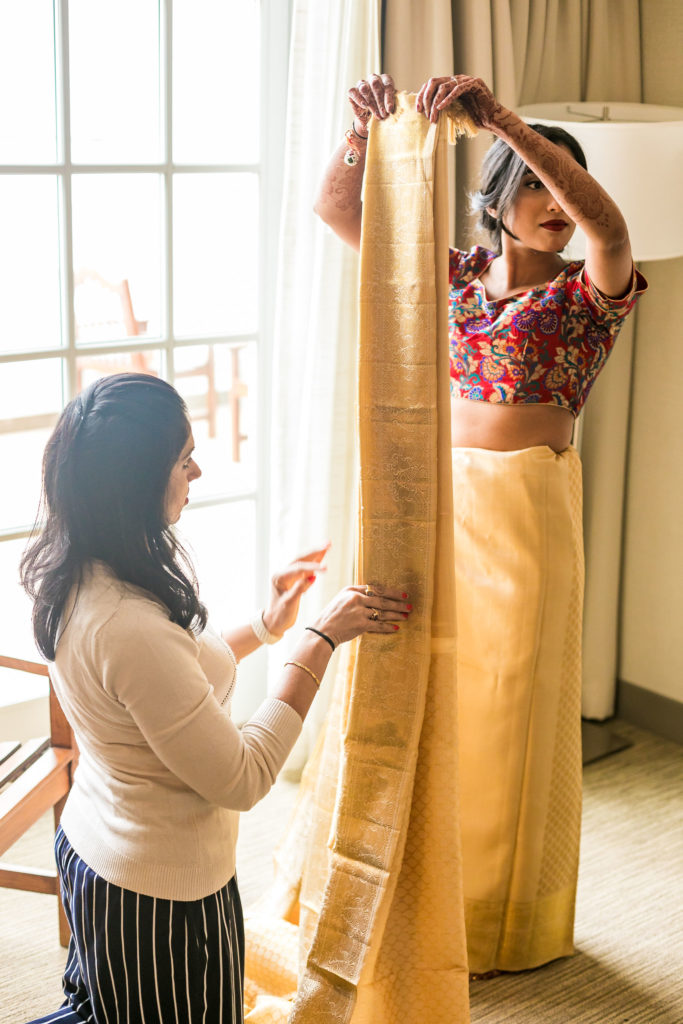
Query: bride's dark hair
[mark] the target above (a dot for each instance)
(106, 469)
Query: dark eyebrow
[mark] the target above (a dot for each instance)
(187, 454)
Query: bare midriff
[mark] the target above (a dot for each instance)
(507, 428)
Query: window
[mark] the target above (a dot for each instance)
(133, 184)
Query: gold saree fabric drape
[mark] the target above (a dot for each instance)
(373, 852)
(519, 585)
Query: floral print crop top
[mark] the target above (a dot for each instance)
(546, 345)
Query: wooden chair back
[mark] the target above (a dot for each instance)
(35, 776)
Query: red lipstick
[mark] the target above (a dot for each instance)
(554, 225)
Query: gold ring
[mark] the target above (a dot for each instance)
(374, 615)
(369, 592)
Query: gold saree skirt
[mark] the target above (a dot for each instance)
(519, 589)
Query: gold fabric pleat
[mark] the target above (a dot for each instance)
(368, 883)
(519, 582)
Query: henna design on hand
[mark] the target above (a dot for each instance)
(482, 106)
(374, 97)
(479, 102)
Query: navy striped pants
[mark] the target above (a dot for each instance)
(142, 960)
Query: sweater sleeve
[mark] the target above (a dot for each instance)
(150, 666)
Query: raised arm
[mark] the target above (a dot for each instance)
(609, 262)
(338, 202)
(279, 615)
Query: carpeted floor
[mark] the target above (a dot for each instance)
(628, 965)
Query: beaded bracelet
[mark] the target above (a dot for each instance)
(353, 140)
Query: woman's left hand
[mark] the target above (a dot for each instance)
(475, 96)
(286, 588)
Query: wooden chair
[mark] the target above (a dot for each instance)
(101, 306)
(238, 391)
(35, 776)
(206, 369)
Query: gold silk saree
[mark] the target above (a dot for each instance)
(366, 911)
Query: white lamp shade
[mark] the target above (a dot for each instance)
(636, 154)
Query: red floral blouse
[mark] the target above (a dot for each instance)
(546, 345)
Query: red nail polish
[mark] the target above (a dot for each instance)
(404, 614)
(410, 607)
(397, 627)
(404, 595)
(311, 579)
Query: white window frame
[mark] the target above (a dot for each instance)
(275, 29)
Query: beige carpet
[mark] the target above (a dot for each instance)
(627, 969)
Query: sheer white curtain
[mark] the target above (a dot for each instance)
(313, 395)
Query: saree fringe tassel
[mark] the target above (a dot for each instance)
(367, 911)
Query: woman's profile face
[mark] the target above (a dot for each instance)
(536, 218)
(184, 471)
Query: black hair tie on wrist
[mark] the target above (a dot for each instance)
(324, 636)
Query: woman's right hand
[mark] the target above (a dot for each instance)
(338, 202)
(363, 609)
(375, 97)
(355, 610)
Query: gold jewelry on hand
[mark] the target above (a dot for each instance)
(306, 669)
(374, 615)
(369, 592)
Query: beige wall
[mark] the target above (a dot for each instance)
(651, 653)
(652, 589)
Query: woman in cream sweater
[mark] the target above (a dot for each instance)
(146, 846)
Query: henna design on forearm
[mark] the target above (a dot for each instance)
(575, 190)
(342, 184)
(583, 199)
(492, 114)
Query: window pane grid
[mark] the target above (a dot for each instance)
(153, 168)
(19, 356)
(69, 349)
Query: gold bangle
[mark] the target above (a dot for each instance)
(305, 668)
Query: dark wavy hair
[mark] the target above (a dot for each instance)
(106, 470)
(501, 174)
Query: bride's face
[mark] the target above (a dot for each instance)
(183, 473)
(536, 218)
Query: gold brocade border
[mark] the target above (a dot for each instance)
(405, 539)
(537, 932)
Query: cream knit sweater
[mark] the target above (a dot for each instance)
(163, 771)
